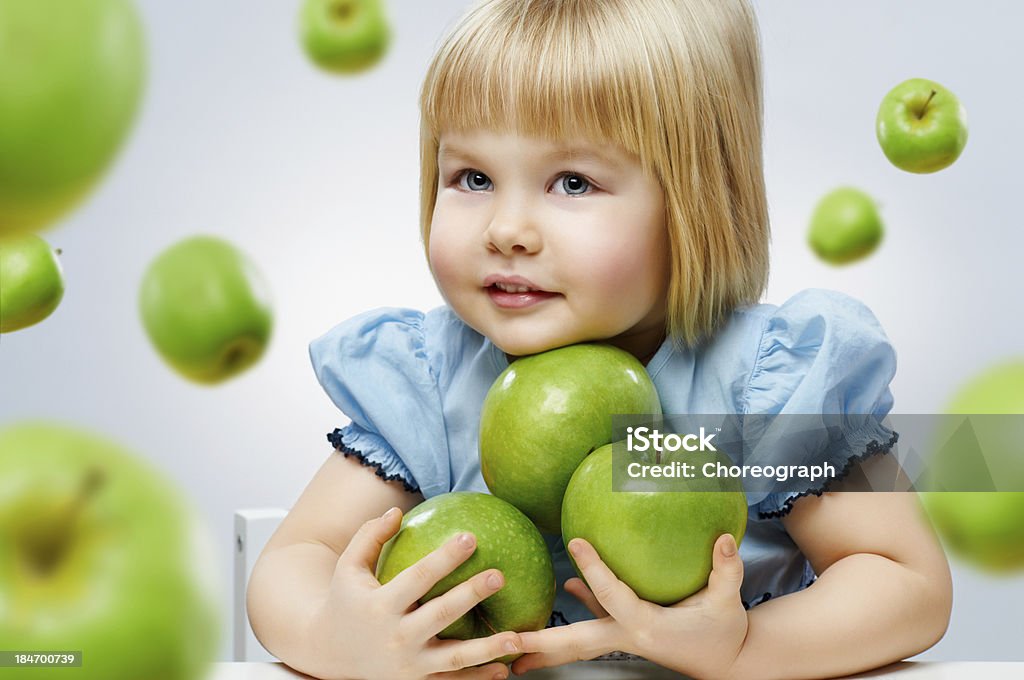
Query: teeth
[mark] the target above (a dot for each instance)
(508, 288)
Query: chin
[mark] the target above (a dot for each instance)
(521, 347)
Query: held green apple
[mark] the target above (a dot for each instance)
(71, 76)
(657, 542)
(506, 540)
(206, 309)
(546, 412)
(99, 554)
(31, 281)
(344, 36)
(921, 126)
(845, 226)
(986, 528)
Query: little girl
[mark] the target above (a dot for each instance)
(591, 171)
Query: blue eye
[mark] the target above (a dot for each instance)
(574, 185)
(473, 180)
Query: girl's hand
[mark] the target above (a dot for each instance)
(700, 636)
(374, 631)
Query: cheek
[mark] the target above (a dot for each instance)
(626, 270)
(441, 259)
(448, 252)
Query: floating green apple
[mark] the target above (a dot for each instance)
(100, 554)
(71, 76)
(845, 226)
(921, 126)
(206, 309)
(344, 36)
(546, 412)
(506, 540)
(986, 528)
(658, 542)
(31, 281)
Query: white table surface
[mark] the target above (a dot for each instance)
(642, 670)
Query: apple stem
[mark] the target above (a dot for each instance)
(924, 109)
(50, 549)
(91, 483)
(488, 625)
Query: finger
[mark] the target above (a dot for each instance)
(577, 588)
(436, 615)
(564, 644)
(613, 595)
(489, 672)
(364, 548)
(416, 580)
(451, 655)
(726, 571)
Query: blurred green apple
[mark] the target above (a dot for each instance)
(206, 309)
(546, 412)
(31, 281)
(506, 540)
(845, 226)
(656, 541)
(100, 554)
(986, 529)
(921, 126)
(344, 36)
(71, 76)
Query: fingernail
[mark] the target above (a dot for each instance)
(510, 647)
(574, 548)
(466, 540)
(500, 675)
(494, 581)
(390, 513)
(729, 549)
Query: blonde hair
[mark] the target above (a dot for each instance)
(676, 83)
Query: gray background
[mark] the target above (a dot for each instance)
(316, 178)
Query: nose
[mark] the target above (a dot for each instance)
(513, 230)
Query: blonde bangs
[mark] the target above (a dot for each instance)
(536, 67)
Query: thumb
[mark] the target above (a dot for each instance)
(364, 547)
(726, 572)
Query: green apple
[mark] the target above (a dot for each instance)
(344, 36)
(845, 226)
(71, 76)
(986, 529)
(921, 126)
(546, 412)
(206, 309)
(31, 281)
(100, 554)
(506, 540)
(658, 542)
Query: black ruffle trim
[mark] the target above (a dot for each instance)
(335, 439)
(873, 449)
(756, 601)
(619, 656)
(557, 619)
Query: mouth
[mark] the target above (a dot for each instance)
(515, 292)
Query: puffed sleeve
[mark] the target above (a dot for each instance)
(822, 354)
(376, 369)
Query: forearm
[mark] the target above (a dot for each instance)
(863, 612)
(288, 586)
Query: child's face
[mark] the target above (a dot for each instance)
(586, 235)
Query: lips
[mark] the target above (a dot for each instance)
(515, 292)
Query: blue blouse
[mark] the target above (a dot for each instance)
(413, 385)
